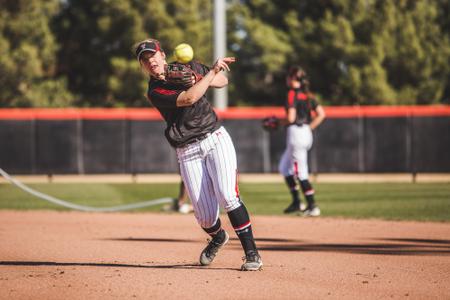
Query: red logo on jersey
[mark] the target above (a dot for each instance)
(302, 96)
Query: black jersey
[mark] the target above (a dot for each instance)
(304, 103)
(184, 124)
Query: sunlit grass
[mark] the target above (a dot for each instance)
(395, 201)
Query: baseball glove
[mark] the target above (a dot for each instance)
(270, 123)
(182, 75)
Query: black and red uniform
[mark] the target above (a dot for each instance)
(184, 124)
(304, 103)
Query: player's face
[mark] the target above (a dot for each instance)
(293, 83)
(153, 62)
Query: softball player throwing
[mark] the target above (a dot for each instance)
(205, 151)
(300, 123)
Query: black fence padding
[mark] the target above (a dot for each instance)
(386, 145)
(277, 146)
(431, 140)
(248, 139)
(17, 140)
(393, 144)
(57, 146)
(336, 146)
(105, 146)
(150, 152)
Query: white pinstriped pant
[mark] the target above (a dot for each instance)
(294, 160)
(209, 171)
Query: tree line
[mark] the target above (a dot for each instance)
(58, 53)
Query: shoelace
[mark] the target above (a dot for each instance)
(250, 258)
(211, 244)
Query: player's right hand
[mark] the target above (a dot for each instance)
(222, 64)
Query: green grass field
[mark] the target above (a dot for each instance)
(393, 201)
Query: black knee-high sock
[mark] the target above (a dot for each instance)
(293, 187)
(240, 221)
(216, 231)
(308, 191)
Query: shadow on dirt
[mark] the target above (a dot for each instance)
(425, 241)
(113, 265)
(391, 246)
(383, 246)
(130, 239)
(156, 240)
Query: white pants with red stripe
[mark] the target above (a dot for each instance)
(294, 160)
(209, 171)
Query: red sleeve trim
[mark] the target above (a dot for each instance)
(162, 91)
(291, 97)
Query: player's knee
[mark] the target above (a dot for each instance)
(231, 203)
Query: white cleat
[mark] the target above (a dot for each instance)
(312, 212)
(302, 206)
(185, 208)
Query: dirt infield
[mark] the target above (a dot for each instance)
(72, 255)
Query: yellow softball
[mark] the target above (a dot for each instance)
(183, 53)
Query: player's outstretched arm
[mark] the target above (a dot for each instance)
(194, 93)
(221, 80)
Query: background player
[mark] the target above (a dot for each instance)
(300, 123)
(205, 151)
(181, 203)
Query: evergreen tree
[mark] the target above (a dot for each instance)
(27, 55)
(97, 38)
(355, 52)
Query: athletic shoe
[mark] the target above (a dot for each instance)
(295, 208)
(252, 262)
(209, 253)
(185, 208)
(312, 212)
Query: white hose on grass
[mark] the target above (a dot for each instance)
(82, 207)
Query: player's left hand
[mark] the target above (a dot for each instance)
(182, 75)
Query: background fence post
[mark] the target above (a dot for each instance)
(361, 144)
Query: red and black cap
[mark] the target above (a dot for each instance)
(148, 45)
